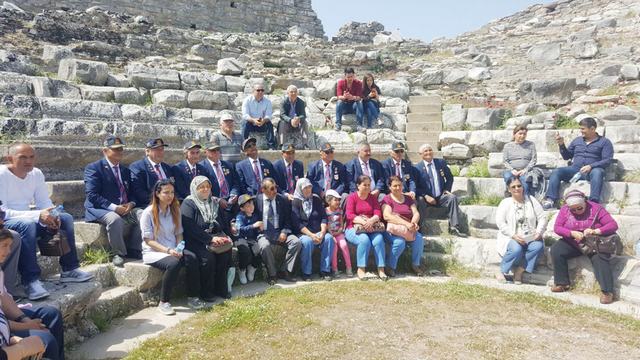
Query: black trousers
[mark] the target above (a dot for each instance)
(213, 270)
(171, 266)
(562, 251)
(246, 256)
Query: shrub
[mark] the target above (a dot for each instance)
(479, 169)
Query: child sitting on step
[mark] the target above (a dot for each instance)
(335, 219)
(248, 227)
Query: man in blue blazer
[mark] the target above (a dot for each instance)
(328, 174)
(434, 188)
(252, 170)
(288, 171)
(187, 169)
(222, 175)
(109, 201)
(146, 172)
(397, 165)
(363, 164)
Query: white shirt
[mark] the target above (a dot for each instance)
(265, 212)
(435, 182)
(18, 194)
(164, 176)
(112, 206)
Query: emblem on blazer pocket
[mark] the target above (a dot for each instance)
(225, 171)
(266, 172)
(336, 176)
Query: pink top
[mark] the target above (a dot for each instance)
(355, 89)
(566, 222)
(357, 207)
(402, 209)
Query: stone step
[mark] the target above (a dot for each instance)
(413, 147)
(425, 126)
(116, 302)
(427, 137)
(425, 100)
(424, 118)
(421, 109)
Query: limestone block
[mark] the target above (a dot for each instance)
(431, 77)
(620, 115)
(476, 253)
(518, 120)
(585, 49)
(206, 99)
(130, 95)
(482, 60)
(64, 89)
(172, 98)
(483, 142)
(479, 74)
(16, 63)
(455, 76)
(628, 162)
(85, 71)
(152, 113)
(480, 216)
(629, 72)
(453, 137)
(230, 66)
(79, 109)
(15, 84)
(21, 106)
(485, 119)
(529, 108)
(625, 139)
(488, 186)
(383, 136)
(548, 92)
(41, 86)
(91, 234)
(339, 139)
(325, 89)
(207, 54)
(456, 152)
(153, 78)
(118, 80)
(395, 105)
(136, 274)
(97, 93)
(462, 187)
(612, 192)
(454, 119)
(179, 115)
(602, 81)
(395, 88)
(545, 54)
(235, 84)
(53, 54)
(212, 81)
(206, 117)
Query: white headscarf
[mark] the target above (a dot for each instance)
(307, 202)
(208, 207)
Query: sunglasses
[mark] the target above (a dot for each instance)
(515, 186)
(328, 152)
(260, 90)
(270, 188)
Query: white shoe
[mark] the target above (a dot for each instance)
(75, 275)
(166, 308)
(36, 291)
(251, 273)
(242, 276)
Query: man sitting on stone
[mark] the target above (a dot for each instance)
(590, 155)
(222, 176)
(397, 165)
(363, 164)
(146, 172)
(230, 141)
(293, 127)
(187, 169)
(107, 185)
(252, 170)
(256, 113)
(328, 174)
(434, 183)
(10, 264)
(22, 185)
(288, 171)
(349, 93)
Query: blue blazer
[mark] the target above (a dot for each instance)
(182, 175)
(297, 170)
(102, 190)
(230, 175)
(143, 178)
(354, 170)
(248, 182)
(408, 173)
(339, 177)
(443, 176)
(283, 208)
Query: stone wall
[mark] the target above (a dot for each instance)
(214, 15)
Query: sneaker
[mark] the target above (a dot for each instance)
(306, 277)
(35, 290)
(231, 275)
(349, 273)
(75, 275)
(380, 122)
(456, 232)
(194, 303)
(548, 204)
(326, 276)
(242, 276)
(251, 273)
(166, 308)
(338, 127)
(117, 261)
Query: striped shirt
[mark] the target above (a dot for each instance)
(230, 148)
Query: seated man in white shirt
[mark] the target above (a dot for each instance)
(23, 184)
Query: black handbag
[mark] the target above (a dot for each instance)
(601, 244)
(54, 244)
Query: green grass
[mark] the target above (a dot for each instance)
(479, 169)
(455, 170)
(482, 199)
(565, 122)
(95, 256)
(632, 176)
(100, 320)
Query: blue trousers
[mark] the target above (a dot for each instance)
(372, 112)
(345, 107)
(595, 177)
(525, 256)
(306, 254)
(54, 338)
(398, 245)
(29, 231)
(248, 128)
(364, 242)
(508, 175)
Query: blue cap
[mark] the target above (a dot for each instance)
(113, 142)
(155, 143)
(326, 147)
(288, 147)
(192, 145)
(248, 143)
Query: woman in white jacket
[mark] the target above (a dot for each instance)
(521, 223)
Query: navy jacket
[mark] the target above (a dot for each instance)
(408, 173)
(354, 170)
(244, 224)
(182, 175)
(285, 108)
(230, 175)
(443, 176)
(143, 178)
(312, 222)
(297, 170)
(248, 182)
(339, 177)
(283, 208)
(102, 190)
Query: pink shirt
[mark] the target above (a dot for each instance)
(355, 89)
(403, 209)
(566, 222)
(358, 207)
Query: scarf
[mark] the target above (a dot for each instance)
(307, 203)
(208, 207)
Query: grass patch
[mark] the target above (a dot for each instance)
(95, 256)
(100, 320)
(565, 122)
(479, 169)
(455, 170)
(482, 199)
(632, 176)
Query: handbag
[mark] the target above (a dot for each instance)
(377, 227)
(54, 245)
(601, 244)
(219, 249)
(402, 231)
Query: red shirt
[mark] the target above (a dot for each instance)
(355, 89)
(403, 209)
(357, 207)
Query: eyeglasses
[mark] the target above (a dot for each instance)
(260, 90)
(270, 188)
(328, 152)
(576, 209)
(515, 186)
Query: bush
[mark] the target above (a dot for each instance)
(565, 122)
(479, 169)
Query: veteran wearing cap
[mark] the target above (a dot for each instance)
(252, 170)
(230, 140)
(187, 169)
(146, 172)
(109, 201)
(399, 166)
(256, 113)
(288, 170)
(222, 175)
(328, 174)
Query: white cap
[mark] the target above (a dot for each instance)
(332, 193)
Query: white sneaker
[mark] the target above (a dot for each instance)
(75, 275)
(166, 308)
(242, 276)
(251, 273)
(35, 290)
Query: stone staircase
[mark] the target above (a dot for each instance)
(424, 123)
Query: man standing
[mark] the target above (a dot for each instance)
(230, 141)
(434, 188)
(256, 113)
(363, 164)
(397, 165)
(146, 172)
(252, 170)
(22, 185)
(328, 174)
(590, 154)
(292, 126)
(288, 171)
(349, 93)
(222, 175)
(187, 169)
(108, 193)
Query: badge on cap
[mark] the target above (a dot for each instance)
(288, 147)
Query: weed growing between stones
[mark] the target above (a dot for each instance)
(565, 122)
(95, 256)
(632, 176)
(479, 169)
(455, 170)
(482, 199)
(101, 321)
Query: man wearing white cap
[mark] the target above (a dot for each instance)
(230, 141)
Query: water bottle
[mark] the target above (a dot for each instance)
(180, 247)
(56, 211)
(576, 177)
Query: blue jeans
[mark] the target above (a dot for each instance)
(248, 128)
(306, 254)
(30, 231)
(508, 175)
(398, 245)
(364, 242)
(372, 112)
(638, 249)
(344, 107)
(595, 177)
(54, 338)
(525, 256)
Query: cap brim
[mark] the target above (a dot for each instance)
(116, 146)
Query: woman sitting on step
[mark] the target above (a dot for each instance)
(371, 101)
(521, 223)
(579, 217)
(519, 157)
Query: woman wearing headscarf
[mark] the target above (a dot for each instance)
(579, 217)
(309, 220)
(203, 231)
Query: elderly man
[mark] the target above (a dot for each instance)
(108, 201)
(22, 185)
(397, 165)
(288, 171)
(230, 141)
(256, 113)
(434, 183)
(222, 175)
(146, 172)
(349, 93)
(590, 155)
(328, 174)
(252, 170)
(187, 169)
(363, 164)
(292, 126)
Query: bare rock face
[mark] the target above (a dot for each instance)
(548, 92)
(358, 33)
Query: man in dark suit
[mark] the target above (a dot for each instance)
(146, 172)
(292, 127)
(434, 188)
(288, 171)
(363, 164)
(397, 165)
(108, 201)
(222, 175)
(187, 169)
(274, 210)
(252, 170)
(328, 174)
